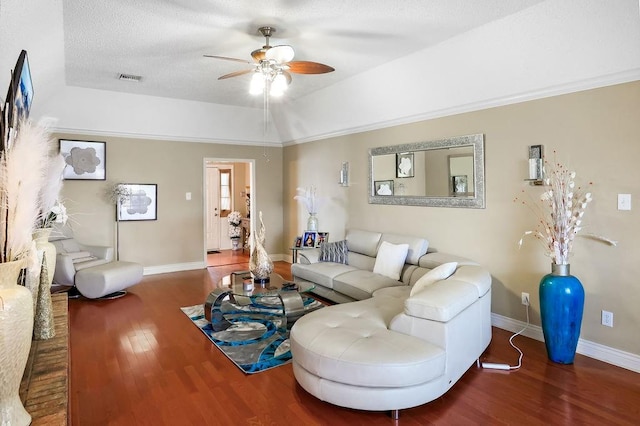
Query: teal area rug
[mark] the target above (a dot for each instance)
(256, 339)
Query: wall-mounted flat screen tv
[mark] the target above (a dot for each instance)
(19, 98)
(22, 86)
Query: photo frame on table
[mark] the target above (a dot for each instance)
(309, 239)
(84, 160)
(141, 203)
(298, 242)
(404, 165)
(383, 187)
(322, 237)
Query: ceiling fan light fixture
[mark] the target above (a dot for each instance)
(275, 93)
(281, 54)
(256, 87)
(272, 67)
(279, 85)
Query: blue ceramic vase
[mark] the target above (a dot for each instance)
(561, 307)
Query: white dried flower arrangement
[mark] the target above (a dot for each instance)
(309, 198)
(560, 212)
(234, 218)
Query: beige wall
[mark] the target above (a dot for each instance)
(177, 237)
(240, 182)
(596, 132)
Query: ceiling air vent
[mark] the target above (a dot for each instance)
(129, 77)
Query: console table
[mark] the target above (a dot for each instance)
(44, 390)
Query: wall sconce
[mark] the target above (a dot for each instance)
(535, 164)
(344, 174)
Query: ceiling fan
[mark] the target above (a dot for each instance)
(272, 66)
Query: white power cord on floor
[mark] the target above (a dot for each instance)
(493, 366)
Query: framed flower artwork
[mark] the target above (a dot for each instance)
(404, 164)
(84, 160)
(139, 202)
(383, 187)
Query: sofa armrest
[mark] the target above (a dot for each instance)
(309, 256)
(101, 252)
(441, 301)
(445, 299)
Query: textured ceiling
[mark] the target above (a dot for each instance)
(164, 40)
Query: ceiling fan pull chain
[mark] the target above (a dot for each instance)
(265, 128)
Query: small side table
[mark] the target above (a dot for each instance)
(294, 252)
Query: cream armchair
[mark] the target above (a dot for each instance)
(91, 270)
(72, 257)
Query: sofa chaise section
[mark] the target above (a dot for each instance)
(395, 350)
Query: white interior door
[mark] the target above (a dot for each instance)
(213, 208)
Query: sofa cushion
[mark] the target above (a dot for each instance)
(390, 259)
(321, 273)
(417, 246)
(363, 242)
(441, 272)
(334, 252)
(434, 259)
(360, 284)
(360, 261)
(70, 245)
(398, 292)
(77, 256)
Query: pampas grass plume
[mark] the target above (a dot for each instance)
(22, 175)
(50, 191)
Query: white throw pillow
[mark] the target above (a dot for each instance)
(438, 273)
(390, 259)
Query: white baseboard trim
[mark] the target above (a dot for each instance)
(176, 267)
(281, 257)
(592, 350)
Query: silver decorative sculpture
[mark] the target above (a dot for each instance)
(259, 263)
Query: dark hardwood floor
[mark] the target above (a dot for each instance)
(138, 360)
(227, 257)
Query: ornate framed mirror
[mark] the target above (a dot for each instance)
(440, 173)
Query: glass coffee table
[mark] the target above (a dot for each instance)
(281, 297)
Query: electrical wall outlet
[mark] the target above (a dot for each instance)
(525, 299)
(607, 318)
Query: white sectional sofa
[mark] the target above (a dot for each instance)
(356, 280)
(406, 344)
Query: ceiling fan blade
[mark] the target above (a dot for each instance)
(281, 54)
(308, 67)
(258, 54)
(234, 74)
(244, 61)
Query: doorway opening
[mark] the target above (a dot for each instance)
(228, 185)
